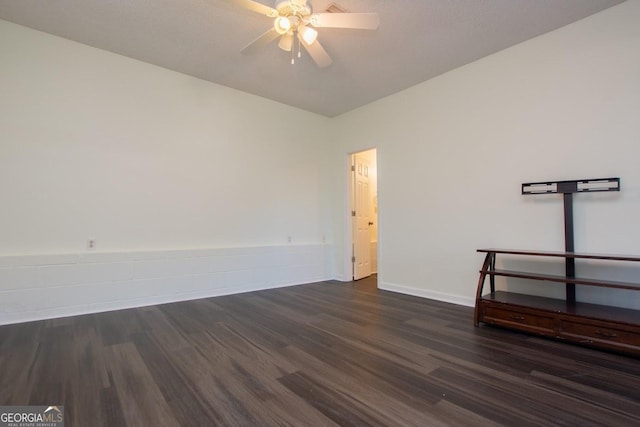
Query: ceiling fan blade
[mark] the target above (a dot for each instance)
(359, 21)
(316, 52)
(261, 41)
(255, 7)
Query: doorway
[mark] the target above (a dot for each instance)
(364, 214)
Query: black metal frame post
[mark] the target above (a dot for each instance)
(492, 278)
(570, 262)
(568, 188)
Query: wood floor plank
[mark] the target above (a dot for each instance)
(625, 406)
(370, 340)
(84, 389)
(141, 401)
(183, 400)
(112, 412)
(237, 395)
(401, 408)
(343, 409)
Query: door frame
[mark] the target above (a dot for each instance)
(348, 220)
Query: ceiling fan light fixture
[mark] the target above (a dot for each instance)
(308, 34)
(282, 24)
(286, 42)
(294, 22)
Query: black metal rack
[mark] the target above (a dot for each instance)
(568, 189)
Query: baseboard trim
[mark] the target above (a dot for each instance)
(425, 293)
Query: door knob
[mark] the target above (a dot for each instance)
(370, 223)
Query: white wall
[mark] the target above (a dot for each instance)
(98, 146)
(453, 151)
(190, 190)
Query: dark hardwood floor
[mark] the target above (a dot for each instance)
(311, 355)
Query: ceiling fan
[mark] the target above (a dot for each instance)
(295, 20)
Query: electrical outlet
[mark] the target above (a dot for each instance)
(289, 239)
(91, 244)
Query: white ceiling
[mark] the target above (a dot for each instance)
(417, 40)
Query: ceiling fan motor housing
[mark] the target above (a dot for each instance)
(293, 7)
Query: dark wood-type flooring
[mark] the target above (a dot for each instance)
(311, 355)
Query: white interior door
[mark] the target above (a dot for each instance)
(361, 220)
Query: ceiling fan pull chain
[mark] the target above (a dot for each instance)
(293, 47)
